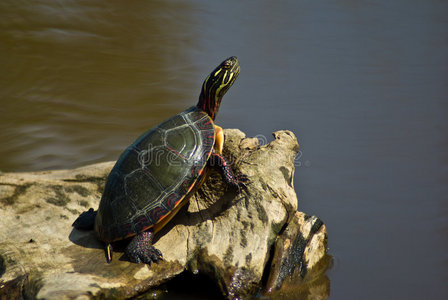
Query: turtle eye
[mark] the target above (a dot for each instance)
(227, 64)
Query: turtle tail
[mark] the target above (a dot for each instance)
(108, 251)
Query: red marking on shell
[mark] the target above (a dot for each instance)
(181, 198)
(157, 214)
(176, 153)
(141, 223)
(171, 200)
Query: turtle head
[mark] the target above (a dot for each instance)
(217, 84)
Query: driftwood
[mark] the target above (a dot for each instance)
(247, 243)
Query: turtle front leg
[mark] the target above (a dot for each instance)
(219, 161)
(140, 249)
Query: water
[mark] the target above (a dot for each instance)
(363, 84)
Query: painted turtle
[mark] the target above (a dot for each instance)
(156, 175)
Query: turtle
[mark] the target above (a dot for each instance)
(159, 172)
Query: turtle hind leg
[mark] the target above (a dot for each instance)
(140, 249)
(86, 220)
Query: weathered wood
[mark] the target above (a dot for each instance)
(241, 240)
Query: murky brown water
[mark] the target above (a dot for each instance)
(363, 84)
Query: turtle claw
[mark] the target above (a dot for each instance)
(140, 249)
(241, 181)
(243, 178)
(150, 256)
(155, 255)
(242, 186)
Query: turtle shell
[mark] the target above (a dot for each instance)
(154, 174)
